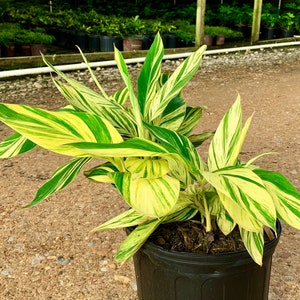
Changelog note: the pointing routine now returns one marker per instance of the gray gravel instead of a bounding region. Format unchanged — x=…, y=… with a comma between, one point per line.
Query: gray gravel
x=18, y=88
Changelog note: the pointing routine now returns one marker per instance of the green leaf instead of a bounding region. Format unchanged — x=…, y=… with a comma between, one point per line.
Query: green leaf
x=228, y=139
x=133, y=99
x=54, y=130
x=135, y=147
x=84, y=99
x=225, y=222
x=254, y=243
x=14, y=145
x=180, y=145
x=285, y=196
x=191, y=119
x=136, y=239
x=150, y=74
x=173, y=115
x=198, y=139
x=153, y=197
x=174, y=84
x=247, y=191
x=101, y=173
x=64, y=175
x=129, y=218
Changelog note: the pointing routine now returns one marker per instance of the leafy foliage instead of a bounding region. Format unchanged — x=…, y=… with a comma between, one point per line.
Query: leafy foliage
x=144, y=137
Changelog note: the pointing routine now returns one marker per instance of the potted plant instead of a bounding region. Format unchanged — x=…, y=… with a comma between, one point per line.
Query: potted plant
x=132, y=31
x=150, y=156
x=7, y=38
x=286, y=23
x=269, y=22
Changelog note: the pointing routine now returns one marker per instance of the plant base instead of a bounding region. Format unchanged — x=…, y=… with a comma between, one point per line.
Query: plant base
x=170, y=275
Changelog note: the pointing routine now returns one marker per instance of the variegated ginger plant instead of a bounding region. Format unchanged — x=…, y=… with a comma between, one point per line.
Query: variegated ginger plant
x=151, y=158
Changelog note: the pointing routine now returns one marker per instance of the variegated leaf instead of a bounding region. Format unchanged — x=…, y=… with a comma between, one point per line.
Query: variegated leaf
x=136, y=239
x=64, y=175
x=191, y=119
x=173, y=115
x=129, y=218
x=153, y=197
x=178, y=144
x=225, y=222
x=53, y=130
x=239, y=215
x=198, y=139
x=14, y=145
x=149, y=75
x=254, y=243
x=175, y=83
x=147, y=167
x=101, y=173
x=135, y=147
x=247, y=190
x=228, y=139
x=133, y=99
x=90, y=102
x=285, y=196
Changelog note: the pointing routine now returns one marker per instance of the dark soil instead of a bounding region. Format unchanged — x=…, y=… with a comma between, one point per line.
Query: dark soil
x=191, y=236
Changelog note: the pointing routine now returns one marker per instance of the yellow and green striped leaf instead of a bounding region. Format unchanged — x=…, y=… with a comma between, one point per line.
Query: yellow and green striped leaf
x=254, y=243
x=64, y=175
x=150, y=75
x=14, y=145
x=135, y=240
x=245, y=189
x=285, y=196
x=153, y=197
x=129, y=218
x=228, y=139
x=54, y=130
x=102, y=173
x=175, y=83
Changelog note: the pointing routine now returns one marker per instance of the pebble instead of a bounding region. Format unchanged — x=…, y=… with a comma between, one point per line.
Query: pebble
x=37, y=259
x=7, y=272
x=123, y=279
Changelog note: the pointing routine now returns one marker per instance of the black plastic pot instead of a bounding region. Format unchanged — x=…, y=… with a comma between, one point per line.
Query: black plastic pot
x=107, y=43
x=170, y=275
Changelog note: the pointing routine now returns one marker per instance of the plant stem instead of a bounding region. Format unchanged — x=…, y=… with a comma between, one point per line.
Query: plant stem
x=207, y=215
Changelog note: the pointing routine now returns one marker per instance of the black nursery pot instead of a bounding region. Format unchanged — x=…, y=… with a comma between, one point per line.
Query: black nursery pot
x=171, y=275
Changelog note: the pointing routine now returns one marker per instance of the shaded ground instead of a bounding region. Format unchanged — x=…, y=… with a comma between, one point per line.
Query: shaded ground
x=48, y=252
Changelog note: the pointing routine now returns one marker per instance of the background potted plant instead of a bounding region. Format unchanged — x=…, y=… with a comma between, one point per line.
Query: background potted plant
x=150, y=156
x=269, y=21
x=286, y=23
x=7, y=38
x=133, y=32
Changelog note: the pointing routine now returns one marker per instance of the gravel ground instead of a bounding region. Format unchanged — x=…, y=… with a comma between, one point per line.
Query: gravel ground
x=48, y=252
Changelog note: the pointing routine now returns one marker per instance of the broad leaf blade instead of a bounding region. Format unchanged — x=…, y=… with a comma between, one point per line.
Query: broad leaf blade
x=133, y=99
x=247, y=190
x=178, y=144
x=286, y=198
x=101, y=173
x=129, y=218
x=64, y=175
x=175, y=83
x=150, y=74
x=254, y=243
x=228, y=139
x=136, y=239
x=153, y=197
x=14, y=145
x=191, y=119
x=53, y=130
x=135, y=147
